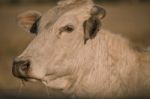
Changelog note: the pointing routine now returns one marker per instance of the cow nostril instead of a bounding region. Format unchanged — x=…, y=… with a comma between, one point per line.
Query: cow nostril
x=24, y=67
x=20, y=68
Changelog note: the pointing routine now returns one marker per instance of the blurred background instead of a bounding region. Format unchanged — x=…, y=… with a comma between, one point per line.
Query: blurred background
x=130, y=18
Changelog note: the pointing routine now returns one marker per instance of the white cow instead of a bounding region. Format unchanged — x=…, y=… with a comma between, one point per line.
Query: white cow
x=71, y=53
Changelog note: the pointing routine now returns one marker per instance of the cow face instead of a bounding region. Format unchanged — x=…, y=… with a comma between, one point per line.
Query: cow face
x=54, y=57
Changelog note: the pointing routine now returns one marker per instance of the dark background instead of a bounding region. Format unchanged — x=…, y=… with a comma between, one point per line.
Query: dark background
x=50, y=1
x=130, y=18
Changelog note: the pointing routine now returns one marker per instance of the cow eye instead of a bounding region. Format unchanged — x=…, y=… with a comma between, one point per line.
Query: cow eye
x=67, y=28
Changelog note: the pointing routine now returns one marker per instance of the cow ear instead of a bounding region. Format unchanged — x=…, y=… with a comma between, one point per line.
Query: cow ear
x=93, y=24
x=29, y=21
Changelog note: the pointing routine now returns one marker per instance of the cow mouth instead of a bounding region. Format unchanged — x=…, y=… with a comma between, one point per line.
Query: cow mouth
x=35, y=79
x=30, y=79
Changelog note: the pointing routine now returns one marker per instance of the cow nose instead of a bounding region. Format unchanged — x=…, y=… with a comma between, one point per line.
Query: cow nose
x=20, y=68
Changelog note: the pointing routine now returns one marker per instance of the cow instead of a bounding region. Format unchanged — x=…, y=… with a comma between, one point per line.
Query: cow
x=73, y=54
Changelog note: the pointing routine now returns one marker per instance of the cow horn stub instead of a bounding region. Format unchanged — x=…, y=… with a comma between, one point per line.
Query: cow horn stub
x=98, y=11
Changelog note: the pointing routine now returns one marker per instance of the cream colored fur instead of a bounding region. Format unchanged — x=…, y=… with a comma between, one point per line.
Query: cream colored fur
x=106, y=66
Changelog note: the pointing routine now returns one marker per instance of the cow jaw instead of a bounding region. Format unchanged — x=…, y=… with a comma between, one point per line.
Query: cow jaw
x=59, y=83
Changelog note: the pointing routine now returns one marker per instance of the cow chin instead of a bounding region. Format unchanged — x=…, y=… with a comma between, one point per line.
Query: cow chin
x=58, y=83
x=32, y=80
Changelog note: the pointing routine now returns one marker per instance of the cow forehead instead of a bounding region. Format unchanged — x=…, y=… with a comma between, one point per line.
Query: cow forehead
x=56, y=14
x=74, y=16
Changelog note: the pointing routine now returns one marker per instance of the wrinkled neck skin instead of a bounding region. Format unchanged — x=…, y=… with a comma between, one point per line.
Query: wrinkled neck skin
x=107, y=66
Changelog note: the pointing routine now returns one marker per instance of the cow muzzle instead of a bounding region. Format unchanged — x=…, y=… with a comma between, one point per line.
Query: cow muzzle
x=21, y=68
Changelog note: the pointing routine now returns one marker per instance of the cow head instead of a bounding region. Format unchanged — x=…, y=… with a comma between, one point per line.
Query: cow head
x=58, y=54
